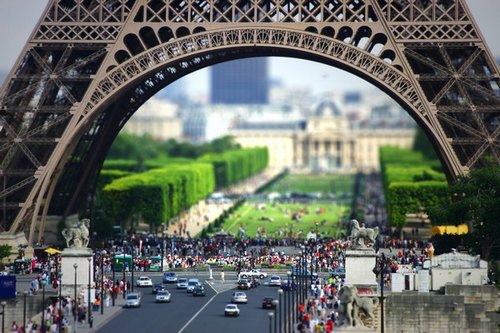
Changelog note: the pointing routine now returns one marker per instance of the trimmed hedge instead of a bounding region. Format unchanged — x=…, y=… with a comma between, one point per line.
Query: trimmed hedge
x=236, y=165
x=411, y=183
x=159, y=194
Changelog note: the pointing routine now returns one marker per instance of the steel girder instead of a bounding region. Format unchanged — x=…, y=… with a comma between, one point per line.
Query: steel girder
x=90, y=64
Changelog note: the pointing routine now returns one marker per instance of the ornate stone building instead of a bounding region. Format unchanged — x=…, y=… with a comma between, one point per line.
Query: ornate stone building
x=327, y=140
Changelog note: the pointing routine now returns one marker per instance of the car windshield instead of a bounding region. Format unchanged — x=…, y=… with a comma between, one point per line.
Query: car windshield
x=182, y=280
x=132, y=297
x=192, y=283
x=231, y=306
x=163, y=293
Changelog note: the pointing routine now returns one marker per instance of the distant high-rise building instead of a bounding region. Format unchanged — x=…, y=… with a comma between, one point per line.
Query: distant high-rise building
x=243, y=81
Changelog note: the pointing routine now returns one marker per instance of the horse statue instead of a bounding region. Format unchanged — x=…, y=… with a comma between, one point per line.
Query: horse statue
x=361, y=234
x=77, y=234
x=352, y=306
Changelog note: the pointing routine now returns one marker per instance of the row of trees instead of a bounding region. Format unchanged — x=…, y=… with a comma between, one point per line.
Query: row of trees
x=412, y=183
x=159, y=194
x=168, y=186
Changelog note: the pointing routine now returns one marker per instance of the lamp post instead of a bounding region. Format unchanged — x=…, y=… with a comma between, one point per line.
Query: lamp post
x=290, y=299
x=88, y=293
x=270, y=315
x=280, y=310
x=103, y=253
x=132, y=282
x=60, y=298
x=24, y=308
x=276, y=304
x=123, y=270
x=379, y=270
x=43, y=306
x=75, y=266
x=114, y=279
x=3, y=303
x=316, y=248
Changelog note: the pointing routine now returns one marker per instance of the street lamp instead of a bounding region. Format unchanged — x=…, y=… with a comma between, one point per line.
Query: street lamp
x=43, y=306
x=276, y=305
x=270, y=315
x=3, y=303
x=281, y=310
x=290, y=300
x=316, y=248
x=123, y=270
x=24, y=308
x=379, y=270
x=114, y=278
x=75, y=266
x=103, y=253
x=88, y=293
x=59, y=274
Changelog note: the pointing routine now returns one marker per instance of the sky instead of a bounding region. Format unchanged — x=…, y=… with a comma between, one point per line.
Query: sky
x=19, y=17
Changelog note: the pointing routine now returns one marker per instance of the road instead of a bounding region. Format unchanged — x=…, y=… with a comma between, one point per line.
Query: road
x=188, y=314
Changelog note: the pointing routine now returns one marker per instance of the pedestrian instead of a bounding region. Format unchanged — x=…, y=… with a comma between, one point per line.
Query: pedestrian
x=222, y=275
x=91, y=321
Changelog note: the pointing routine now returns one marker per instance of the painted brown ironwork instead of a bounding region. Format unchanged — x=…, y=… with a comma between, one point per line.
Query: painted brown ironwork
x=90, y=64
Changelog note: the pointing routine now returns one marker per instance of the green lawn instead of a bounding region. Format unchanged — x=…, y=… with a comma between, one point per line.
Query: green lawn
x=252, y=216
x=311, y=183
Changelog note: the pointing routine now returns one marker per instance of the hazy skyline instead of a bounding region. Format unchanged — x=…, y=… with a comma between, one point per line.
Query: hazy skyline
x=19, y=17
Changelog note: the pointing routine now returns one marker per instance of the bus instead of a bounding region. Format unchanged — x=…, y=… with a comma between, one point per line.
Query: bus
x=120, y=260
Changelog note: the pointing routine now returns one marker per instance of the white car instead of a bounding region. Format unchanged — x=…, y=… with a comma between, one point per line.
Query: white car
x=253, y=273
x=163, y=296
x=191, y=284
x=239, y=297
x=144, y=281
x=231, y=310
x=182, y=283
x=132, y=301
x=275, y=280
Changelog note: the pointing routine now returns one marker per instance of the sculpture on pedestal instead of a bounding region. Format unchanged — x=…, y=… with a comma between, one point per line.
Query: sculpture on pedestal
x=361, y=235
x=354, y=307
x=77, y=234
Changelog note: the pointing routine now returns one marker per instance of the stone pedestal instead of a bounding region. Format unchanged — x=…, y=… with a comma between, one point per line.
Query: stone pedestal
x=359, y=266
x=16, y=241
x=79, y=256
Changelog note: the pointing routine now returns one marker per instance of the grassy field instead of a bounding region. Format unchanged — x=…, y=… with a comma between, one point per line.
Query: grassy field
x=310, y=184
x=276, y=220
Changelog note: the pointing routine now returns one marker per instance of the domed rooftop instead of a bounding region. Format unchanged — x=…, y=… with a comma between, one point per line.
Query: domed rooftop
x=327, y=108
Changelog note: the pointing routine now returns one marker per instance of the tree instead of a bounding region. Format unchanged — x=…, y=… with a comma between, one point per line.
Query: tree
x=5, y=251
x=475, y=200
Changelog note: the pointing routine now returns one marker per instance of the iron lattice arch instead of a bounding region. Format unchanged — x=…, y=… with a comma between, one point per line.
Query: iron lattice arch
x=90, y=64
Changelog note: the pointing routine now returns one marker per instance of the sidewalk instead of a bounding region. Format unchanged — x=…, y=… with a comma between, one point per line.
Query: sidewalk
x=101, y=320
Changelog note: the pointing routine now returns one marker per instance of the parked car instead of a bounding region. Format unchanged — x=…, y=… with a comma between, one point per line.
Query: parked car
x=182, y=283
x=239, y=297
x=158, y=286
x=301, y=271
x=267, y=303
x=199, y=290
x=169, y=277
x=275, y=280
x=163, y=296
x=231, y=310
x=253, y=273
x=244, y=284
x=132, y=301
x=191, y=284
x=144, y=281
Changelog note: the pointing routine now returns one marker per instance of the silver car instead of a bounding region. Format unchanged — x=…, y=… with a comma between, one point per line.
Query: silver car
x=239, y=297
x=191, y=284
x=182, y=283
x=163, y=296
x=132, y=301
x=231, y=310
